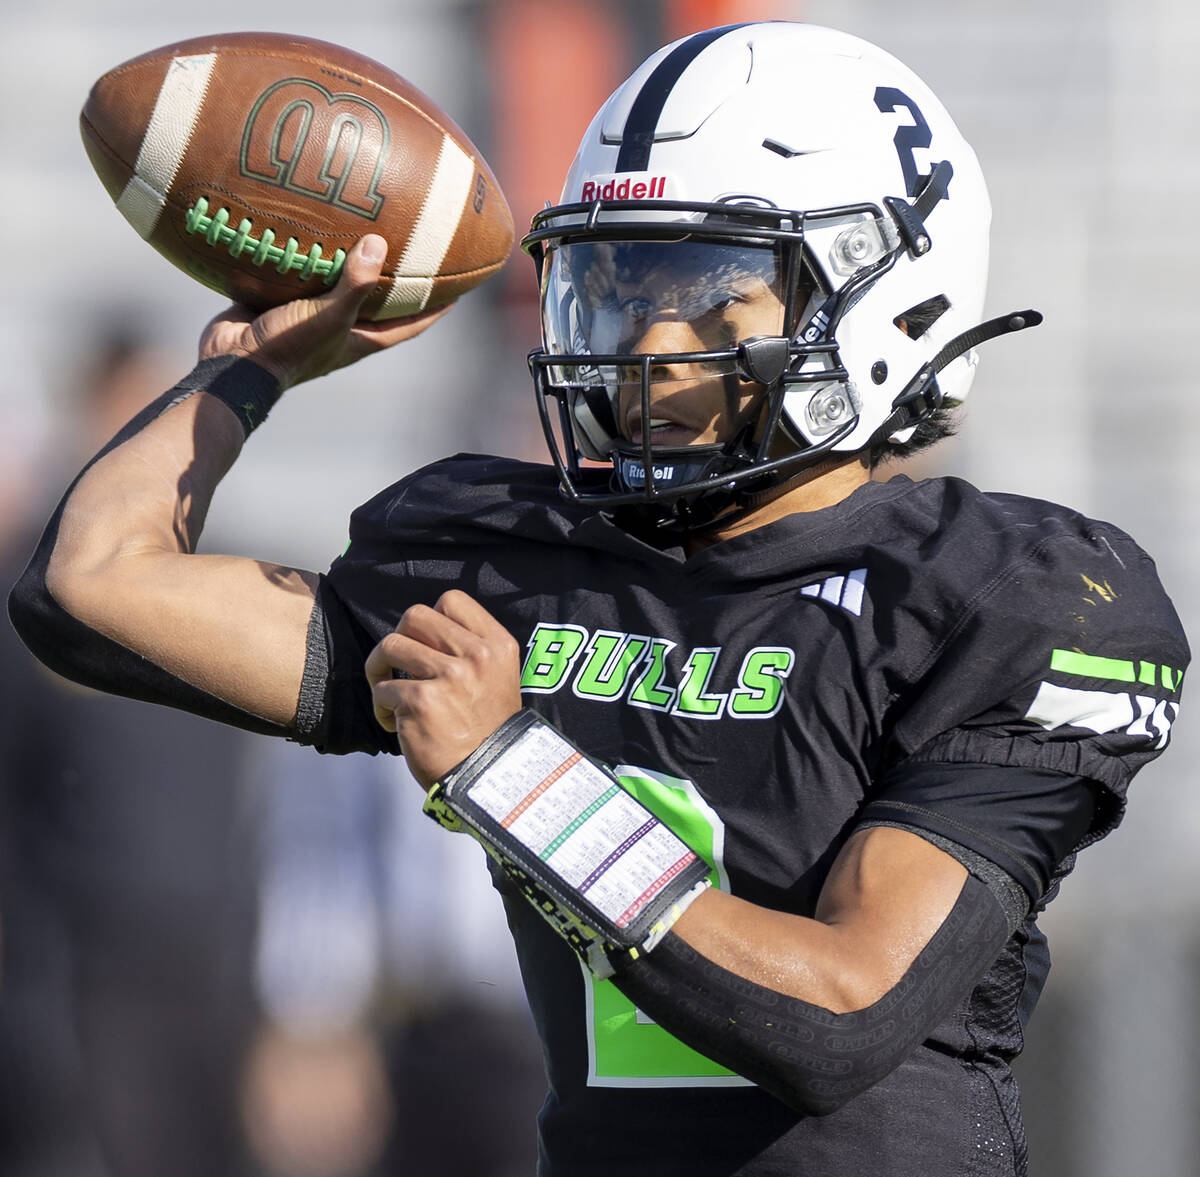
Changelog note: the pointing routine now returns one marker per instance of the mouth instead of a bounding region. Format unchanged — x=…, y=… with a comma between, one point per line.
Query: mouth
x=664, y=431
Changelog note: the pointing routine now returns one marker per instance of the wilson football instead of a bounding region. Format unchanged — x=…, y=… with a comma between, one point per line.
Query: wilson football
x=254, y=161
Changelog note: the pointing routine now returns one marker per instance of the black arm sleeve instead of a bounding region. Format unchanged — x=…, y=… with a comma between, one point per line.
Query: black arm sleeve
x=78, y=652
x=808, y=1057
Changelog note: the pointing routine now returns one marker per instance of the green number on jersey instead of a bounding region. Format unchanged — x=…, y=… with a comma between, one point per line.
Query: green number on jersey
x=625, y=1048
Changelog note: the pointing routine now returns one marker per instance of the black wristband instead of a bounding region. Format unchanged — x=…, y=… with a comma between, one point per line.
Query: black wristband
x=248, y=389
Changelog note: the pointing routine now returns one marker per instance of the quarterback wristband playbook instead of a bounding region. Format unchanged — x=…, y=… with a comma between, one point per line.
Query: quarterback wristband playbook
x=608, y=875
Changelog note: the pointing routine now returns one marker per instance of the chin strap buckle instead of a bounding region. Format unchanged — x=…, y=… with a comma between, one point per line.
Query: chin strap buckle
x=922, y=396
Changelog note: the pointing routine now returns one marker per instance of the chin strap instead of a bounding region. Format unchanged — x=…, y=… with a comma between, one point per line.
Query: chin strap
x=719, y=507
x=680, y=516
x=922, y=396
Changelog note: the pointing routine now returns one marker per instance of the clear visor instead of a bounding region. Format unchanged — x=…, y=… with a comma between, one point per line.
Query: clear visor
x=611, y=300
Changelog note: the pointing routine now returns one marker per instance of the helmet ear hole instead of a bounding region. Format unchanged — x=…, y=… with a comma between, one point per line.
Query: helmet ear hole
x=915, y=321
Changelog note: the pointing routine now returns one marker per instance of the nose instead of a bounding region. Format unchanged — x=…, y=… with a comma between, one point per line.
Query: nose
x=666, y=334
x=663, y=334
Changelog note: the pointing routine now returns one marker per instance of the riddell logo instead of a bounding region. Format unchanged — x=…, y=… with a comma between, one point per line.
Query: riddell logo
x=630, y=188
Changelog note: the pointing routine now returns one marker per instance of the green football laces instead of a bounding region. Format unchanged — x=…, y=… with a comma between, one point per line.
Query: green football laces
x=216, y=231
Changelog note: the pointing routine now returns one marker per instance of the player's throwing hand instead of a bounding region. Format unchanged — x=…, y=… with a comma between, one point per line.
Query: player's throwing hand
x=310, y=337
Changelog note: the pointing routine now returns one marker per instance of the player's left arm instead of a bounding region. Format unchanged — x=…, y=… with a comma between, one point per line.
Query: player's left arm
x=1008, y=772
x=886, y=897
x=901, y=931
x=818, y=1010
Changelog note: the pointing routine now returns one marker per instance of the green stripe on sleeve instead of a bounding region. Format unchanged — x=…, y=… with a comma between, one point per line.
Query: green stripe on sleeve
x=1090, y=666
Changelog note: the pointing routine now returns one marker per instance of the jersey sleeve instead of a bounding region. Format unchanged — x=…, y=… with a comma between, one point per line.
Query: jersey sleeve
x=335, y=713
x=358, y=600
x=429, y=532
x=1056, y=683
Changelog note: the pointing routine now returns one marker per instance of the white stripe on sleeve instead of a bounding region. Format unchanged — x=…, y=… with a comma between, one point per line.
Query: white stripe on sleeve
x=1101, y=711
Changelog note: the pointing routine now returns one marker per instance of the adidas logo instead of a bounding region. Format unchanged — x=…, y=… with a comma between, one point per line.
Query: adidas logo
x=846, y=592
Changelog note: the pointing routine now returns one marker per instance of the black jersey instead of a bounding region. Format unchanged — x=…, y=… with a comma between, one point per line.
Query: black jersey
x=988, y=670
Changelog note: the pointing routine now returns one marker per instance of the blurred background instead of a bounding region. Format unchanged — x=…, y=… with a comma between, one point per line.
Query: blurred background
x=224, y=955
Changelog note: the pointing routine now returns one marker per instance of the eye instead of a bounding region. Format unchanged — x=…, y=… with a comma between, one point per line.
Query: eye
x=602, y=303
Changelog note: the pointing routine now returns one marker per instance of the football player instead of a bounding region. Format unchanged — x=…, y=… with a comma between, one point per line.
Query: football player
x=775, y=760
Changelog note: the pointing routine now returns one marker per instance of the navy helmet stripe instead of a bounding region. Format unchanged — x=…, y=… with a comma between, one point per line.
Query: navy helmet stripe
x=638, y=136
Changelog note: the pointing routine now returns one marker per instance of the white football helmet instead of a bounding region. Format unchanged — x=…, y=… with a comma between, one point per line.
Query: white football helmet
x=770, y=157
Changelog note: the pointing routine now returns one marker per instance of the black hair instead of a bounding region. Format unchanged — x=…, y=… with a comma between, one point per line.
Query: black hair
x=940, y=424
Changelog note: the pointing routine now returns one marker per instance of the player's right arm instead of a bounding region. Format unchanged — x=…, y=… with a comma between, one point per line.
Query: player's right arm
x=116, y=595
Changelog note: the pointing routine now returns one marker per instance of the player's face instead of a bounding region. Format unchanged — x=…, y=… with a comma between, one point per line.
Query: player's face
x=665, y=300
x=667, y=313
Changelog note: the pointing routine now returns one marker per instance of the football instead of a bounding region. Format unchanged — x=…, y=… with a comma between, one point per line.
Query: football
x=254, y=161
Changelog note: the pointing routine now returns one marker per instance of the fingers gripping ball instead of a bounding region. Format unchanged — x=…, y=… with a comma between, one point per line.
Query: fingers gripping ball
x=254, y=161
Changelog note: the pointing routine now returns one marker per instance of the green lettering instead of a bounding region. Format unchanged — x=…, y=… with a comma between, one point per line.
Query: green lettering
x=552, y=650
x=611, y=658
x=759, y=693
x=694, y=698
x=649, y=690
